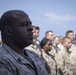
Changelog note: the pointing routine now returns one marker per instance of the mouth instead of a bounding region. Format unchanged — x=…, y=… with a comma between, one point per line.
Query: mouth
x=31, y=36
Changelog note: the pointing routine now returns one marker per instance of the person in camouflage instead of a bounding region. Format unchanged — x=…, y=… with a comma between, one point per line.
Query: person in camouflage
x=63, y=58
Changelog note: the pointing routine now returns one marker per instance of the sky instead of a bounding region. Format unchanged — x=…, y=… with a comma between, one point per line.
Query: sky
x=56, y=15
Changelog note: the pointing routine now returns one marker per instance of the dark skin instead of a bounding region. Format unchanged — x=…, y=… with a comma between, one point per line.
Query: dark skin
x=47, y=47
x=18, y=35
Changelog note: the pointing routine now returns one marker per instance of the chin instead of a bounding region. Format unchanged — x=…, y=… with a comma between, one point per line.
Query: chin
x=30, y=42
x=49, y=50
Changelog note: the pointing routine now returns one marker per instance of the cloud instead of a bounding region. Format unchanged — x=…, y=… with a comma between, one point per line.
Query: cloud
x=55, y=17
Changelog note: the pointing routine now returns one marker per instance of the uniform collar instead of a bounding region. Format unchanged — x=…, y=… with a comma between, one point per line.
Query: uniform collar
x=20, y=59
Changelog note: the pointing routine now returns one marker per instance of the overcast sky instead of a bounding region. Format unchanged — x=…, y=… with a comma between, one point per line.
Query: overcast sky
x=56, y=15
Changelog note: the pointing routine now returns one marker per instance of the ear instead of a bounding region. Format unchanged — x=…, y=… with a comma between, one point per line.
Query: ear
x=43, y=47
x=8, y=30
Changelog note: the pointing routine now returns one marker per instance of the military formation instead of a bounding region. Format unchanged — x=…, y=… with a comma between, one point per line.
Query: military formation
x=21, y=53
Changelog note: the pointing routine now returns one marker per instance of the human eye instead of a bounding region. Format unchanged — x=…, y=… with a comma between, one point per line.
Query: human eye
x=49, y=44
x=26, y=24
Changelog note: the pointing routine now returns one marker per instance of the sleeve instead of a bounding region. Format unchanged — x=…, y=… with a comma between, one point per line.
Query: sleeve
x=73, y=57
x=4, y=70
x=6, y=67
x=73, y=62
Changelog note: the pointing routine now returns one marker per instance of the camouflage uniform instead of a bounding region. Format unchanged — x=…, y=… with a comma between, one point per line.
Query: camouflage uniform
x=50, y=63
x=54, y=50
x=35, y=48
x=63, y=63
x=60, y=46
x=73, y=47
x=12, y=63
x=73, y=61
x=37, y=41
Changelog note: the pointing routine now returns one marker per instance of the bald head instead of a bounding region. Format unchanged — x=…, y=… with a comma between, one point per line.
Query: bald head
x=67, y=42
x=15, y=25
x=11, y=17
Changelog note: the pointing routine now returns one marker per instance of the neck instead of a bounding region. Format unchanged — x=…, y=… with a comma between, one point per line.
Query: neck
x=66, y=49
x=15, y=47
x=34, y=40
x=45, y=51
x=72, y=42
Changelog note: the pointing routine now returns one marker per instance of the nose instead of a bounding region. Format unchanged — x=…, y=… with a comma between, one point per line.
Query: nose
x=30, y=28
x=33, y=30
x=70, y=43
x=50, y=47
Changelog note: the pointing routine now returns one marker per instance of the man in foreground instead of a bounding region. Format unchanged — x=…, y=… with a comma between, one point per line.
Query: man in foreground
x=16, y=31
